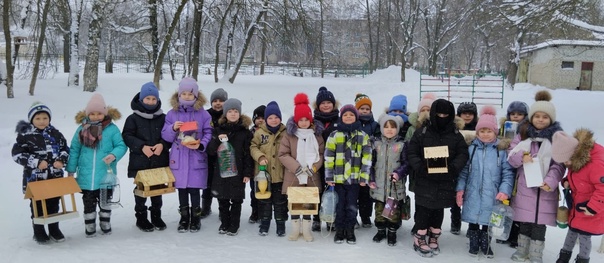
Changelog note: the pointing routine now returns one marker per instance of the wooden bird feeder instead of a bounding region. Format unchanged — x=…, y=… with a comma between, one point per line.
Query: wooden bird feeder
x=153, y=182
x=436, y=159
x=46, y=189
x=303, y=200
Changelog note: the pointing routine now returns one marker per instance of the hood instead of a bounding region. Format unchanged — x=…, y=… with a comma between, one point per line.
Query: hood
x=246, y=121
x=201, y=100
x=23, y=126
x=582, y=154
x=291, y=127
x=113, y=114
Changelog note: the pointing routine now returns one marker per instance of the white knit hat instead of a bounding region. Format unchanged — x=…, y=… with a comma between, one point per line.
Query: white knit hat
x=543, y=104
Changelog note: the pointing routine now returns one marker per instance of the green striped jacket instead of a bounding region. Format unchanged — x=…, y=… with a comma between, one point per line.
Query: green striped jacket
x=347, y=157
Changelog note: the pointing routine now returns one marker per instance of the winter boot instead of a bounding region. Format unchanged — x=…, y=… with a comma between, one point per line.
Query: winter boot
x=391, y=236
x=195, y=224
x=55, y=233
x=380, y=235
x=474, y=242
x=225, y=221
x=316, y=226
x=40, y=235
x=340, y=235
x=295, y=232
x=254, y=216
x=522, y=251
x=156, y=220
x=105, y=221
x=433, y=240
x=280, y=228
x=366, y=222
x=536, y=251
x=185, y=217
x=420, y=245
x=350, y=237
x=206, y=207
x=265, y=224
x=564, y=256
x=306, y=233
x=485, y=243
x=143, y=223
x=90, y=224
x=581, y=260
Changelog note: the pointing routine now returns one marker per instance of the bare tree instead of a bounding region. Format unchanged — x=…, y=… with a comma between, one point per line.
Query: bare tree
x=91, y=69
x=74, y=36
x=409, y=16
x=166, y=43
x=10, y=69
x=197, y=25
x=43, y=24
x=223, y=18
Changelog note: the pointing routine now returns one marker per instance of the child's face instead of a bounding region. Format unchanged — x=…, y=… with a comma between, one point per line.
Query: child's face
x=364, y=110
x=187, y=95
x=326, y=106
x=389, y=130
x=150, y=100
x=96, y=116
x=41, y=120
x=516, y=116
x=399, y=112
x=467, y=117
x=541, y=120
x=259, y=121
x=217, y=104
x=486, y=135
x=273, y=120
x=348, y=117
x=425, y=109
x=304, y=123
x=232, y=115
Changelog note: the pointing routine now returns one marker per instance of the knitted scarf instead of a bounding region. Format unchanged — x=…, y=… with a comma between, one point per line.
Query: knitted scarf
x=308, y=148
x=92, y=132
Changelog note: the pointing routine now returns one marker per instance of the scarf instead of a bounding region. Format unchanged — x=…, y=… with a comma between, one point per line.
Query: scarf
x=326, y=117
x=186, y=103
x=273, y=130
x=544, y=153
x=348, y=127
x=92, y=132
x=366, y=118
x=308, y=148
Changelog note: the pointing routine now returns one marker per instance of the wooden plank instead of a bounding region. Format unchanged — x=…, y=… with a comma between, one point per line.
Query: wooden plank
x=45, y=189
x=304, y=195
x=156, y=192
x=55, y=218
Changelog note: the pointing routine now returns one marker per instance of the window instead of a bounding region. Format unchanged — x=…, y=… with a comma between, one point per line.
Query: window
x=356, y=55
x=568, y=65
x=356, y=44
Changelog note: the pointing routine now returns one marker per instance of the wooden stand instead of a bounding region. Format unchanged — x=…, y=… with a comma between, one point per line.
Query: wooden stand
x=436, y=159
x=153, y=182
x=46, y=189
x=303, y=200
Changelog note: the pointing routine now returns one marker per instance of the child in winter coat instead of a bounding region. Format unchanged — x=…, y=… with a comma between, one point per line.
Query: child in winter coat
x=347, y=165
x=229, y=188
x=188, y=157
x=486, y=177
x=423, y=112
x=96, y=147
x=398, y=107
x=42, y=151
x=142, y=134
x=264, y=150
x=388, y=176
x=257, y=121
x=535, y=207
x=584, y=159
x=363, y=105
x=301, y=153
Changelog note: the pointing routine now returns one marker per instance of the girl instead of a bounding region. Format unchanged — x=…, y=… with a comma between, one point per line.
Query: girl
x=363, y=105
x=398, y=107
x=96, y=146
x=264, y=150
x=188, y=158
x=230, y=191
x=347, y=165
x=389, y=166
x=535, y=207
x=301, y=153
x=42, y=151
x=416, y=119
x=486, y=177
x=142, y=134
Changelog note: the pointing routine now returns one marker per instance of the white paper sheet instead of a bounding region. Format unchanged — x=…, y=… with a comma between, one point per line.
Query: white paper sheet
x=533, y=174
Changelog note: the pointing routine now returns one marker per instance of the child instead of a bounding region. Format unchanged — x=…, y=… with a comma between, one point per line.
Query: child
x=42, y=151
x=217, y=99
x=469, y=113
x=257, y=121
x=363, y=105
x=347, y=165
x=142, y=134
x=264, y=150
x=398, y=107
x=535, y=207
x=584, y=159
x=230, y=191
x=301, y=153
x=258, y=118
x=188, y=159
x=435, y=191
x=97, y=145
x=486, y=177
x=416, y=119
x=389, y=166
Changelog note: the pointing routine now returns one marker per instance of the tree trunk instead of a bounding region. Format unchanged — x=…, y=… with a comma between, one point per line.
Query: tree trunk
x=91, y=69
x=166, y=43
x=34, y=77
x=74, y=55
x=109, y=54
x=65, y=12
x=23, y=21
x=7, y=38
x=264, y=44
x=229, y=49
x=369, y=33
x=219, y=38
x=321, y=41
x=197, y=18
x=154, y=32
x=248, y=39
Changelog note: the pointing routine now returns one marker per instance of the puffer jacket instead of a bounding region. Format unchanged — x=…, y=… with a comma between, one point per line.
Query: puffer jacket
x=266, y=144
x=389, y=155
x=347, y=157
x=87, y=162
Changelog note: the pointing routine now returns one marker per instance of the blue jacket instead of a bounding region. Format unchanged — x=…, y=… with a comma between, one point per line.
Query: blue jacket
x=486, y=174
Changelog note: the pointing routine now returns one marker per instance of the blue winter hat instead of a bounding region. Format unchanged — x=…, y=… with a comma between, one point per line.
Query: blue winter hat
x=517, y=106
x=325, y=95
x=398, y=102
x=148, y=89
x=272, y=108
x=36, y=108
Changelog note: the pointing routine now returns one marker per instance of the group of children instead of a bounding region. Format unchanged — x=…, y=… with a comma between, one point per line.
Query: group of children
x=365, y=161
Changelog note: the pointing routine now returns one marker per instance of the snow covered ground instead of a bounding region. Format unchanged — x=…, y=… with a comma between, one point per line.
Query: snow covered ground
x=128, y=244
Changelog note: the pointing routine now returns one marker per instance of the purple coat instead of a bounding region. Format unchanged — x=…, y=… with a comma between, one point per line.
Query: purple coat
x=533, y=205
x=190, y=167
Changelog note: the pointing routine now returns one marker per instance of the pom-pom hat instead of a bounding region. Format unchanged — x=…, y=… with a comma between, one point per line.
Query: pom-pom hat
x=301, y=108
x=325, y=95
x=488, y=119
x=362, y=99
x=543, y=104
x=426, y=101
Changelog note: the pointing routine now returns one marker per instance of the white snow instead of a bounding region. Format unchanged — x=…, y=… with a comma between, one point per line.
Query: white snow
x=128, y=244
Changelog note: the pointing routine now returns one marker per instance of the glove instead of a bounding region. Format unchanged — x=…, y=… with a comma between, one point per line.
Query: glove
x=459, y=198
x=303, y=173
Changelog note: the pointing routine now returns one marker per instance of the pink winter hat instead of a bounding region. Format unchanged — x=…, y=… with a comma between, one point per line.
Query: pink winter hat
x=188, y=84
x=96, y=104
x=487, y=119
x=563, y=146
x=426, y=101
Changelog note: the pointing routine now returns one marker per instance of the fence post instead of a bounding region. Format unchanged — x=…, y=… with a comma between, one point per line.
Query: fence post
x=473, y=87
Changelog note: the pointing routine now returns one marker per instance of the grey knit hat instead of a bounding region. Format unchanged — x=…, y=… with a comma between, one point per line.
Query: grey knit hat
x=231, y=103
x=219, y=94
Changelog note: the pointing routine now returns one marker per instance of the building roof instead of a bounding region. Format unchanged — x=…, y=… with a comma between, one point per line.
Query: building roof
x=562, y=42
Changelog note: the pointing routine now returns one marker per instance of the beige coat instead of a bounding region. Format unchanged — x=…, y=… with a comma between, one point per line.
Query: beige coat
x=266, y=144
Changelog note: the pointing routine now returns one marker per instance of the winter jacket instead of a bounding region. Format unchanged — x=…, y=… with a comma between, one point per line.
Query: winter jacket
x=88, y=162
x=266, y=144
x=190, y=167
x=347, y=157
x=143, y=128
x=288, y=151
x=389, y=155
x=486, y=174
x=533, y=205
x=240, y=138
x=211, y=158
x=402, y=132
x=370, y=126
x=327, y=122
x=586, y=180
x=33, y=146
x=437, y=191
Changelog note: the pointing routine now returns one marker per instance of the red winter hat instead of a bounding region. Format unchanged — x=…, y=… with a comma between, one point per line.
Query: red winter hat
x=487, y=119
x=301, y=108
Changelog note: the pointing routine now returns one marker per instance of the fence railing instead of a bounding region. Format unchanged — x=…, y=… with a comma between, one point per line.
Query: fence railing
x=482, y=89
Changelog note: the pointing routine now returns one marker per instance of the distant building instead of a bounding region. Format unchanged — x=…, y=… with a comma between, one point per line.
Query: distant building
x=568, y=64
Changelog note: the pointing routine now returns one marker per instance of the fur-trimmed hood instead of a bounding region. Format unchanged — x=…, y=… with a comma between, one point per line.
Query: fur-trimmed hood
x=291, y=127
x=246, y=121
x=23, y=126
x=201, y=100
x=582, y=154
x=113, y=114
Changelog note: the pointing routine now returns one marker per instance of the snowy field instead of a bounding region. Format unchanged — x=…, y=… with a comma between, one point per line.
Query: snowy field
x=128, y=244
